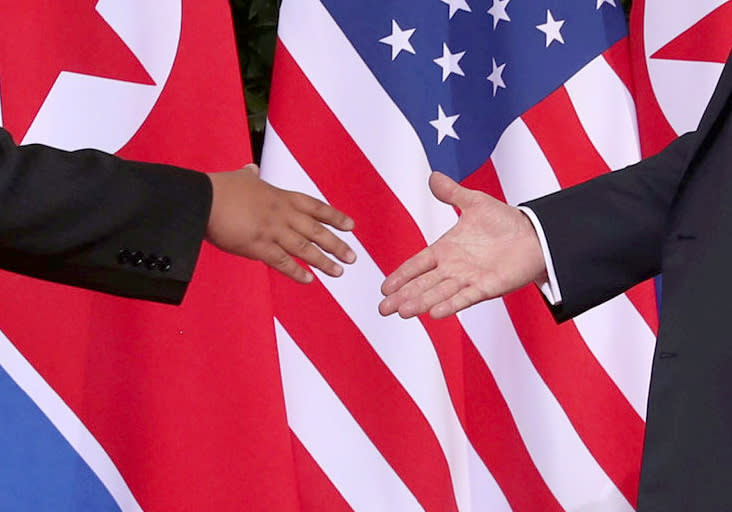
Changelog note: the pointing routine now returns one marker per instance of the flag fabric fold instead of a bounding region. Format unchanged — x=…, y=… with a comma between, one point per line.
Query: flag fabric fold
x=678, y=52
x=497, y=408
x=114, y=404
x=110, y=404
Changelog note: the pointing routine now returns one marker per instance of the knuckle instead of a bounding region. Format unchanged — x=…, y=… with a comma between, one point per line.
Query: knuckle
x=274, y=206
x=321, y=209
x=318, y=231
x=301, y=245
x=258, y=234
x=298, y=199
x=281, y=260
x=341, y=248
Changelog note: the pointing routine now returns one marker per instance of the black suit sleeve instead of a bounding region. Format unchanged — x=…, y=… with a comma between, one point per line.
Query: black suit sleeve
x=607, y=234
x=89, y=219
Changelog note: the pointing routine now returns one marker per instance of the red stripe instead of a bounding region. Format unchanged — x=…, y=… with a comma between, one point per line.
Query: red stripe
x=655, y=130
x=388, y=232
x=367, y=388
x=643, y=297
x=606, y=422
x=555, y=124
x=317, y=493
x=618, y=57
x=486, y=418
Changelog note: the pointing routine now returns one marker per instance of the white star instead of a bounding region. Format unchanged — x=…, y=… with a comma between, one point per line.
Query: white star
x=552, y=28
x=498, y=11
x=399, y=40
x=457, y=5
x=496, y=77
x=600, y=3
x=449, y=62
x=444, y=125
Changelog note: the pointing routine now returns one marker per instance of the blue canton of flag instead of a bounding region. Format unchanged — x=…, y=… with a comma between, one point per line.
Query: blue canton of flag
x=461, y=73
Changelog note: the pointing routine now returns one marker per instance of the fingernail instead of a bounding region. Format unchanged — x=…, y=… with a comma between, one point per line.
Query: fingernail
x=350, y=256
x=309, y=277
x=338, y=271
x=349, y=224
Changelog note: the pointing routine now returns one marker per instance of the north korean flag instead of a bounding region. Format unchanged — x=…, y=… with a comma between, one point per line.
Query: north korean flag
x=679, y=49
x=111, y=404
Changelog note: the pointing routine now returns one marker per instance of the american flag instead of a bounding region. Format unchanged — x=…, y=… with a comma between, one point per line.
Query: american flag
x=497, y=408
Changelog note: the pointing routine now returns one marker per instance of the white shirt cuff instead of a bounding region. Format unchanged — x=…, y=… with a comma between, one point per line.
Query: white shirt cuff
x=549, y=287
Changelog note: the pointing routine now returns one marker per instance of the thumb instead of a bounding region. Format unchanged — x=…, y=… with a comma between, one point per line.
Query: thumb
x=449, y=191
x=253, y=168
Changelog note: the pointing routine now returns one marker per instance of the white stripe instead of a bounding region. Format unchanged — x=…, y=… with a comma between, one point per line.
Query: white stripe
x=404, y=346
x=623, y=343
x=67, y=423
x=570, y=471
x=521, y=165
x=365, y=110
x=607, y=113
x=524, y=173
x=683, y=90
x=334, y=439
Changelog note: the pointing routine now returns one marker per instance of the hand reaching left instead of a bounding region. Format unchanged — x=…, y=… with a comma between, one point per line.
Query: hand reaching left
x=492, y=250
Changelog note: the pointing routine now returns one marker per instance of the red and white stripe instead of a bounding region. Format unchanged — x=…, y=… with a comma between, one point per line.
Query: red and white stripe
x=497, y=408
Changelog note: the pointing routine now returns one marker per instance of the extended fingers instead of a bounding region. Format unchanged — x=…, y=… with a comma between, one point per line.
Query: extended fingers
x=419, y=264
x=299, y=246
x=315, y=232
x=414, y=297
x=280, y=260
x=445, y=298
x=322, y=212
x=462, y=299
x=431, y=296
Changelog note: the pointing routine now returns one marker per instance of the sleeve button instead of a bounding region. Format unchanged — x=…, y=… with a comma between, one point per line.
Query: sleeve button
x=152, y=262
x=124, y=256
x=164, y=264
x=138, y=257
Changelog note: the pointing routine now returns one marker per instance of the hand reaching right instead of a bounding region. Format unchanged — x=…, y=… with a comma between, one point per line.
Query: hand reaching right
x=251, y=218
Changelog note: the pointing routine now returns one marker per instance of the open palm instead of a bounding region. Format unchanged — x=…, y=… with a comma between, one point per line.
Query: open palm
x=492, y=250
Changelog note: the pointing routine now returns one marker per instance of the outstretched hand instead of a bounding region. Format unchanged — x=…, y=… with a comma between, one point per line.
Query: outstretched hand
x=251, y=218
x=492, y=250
